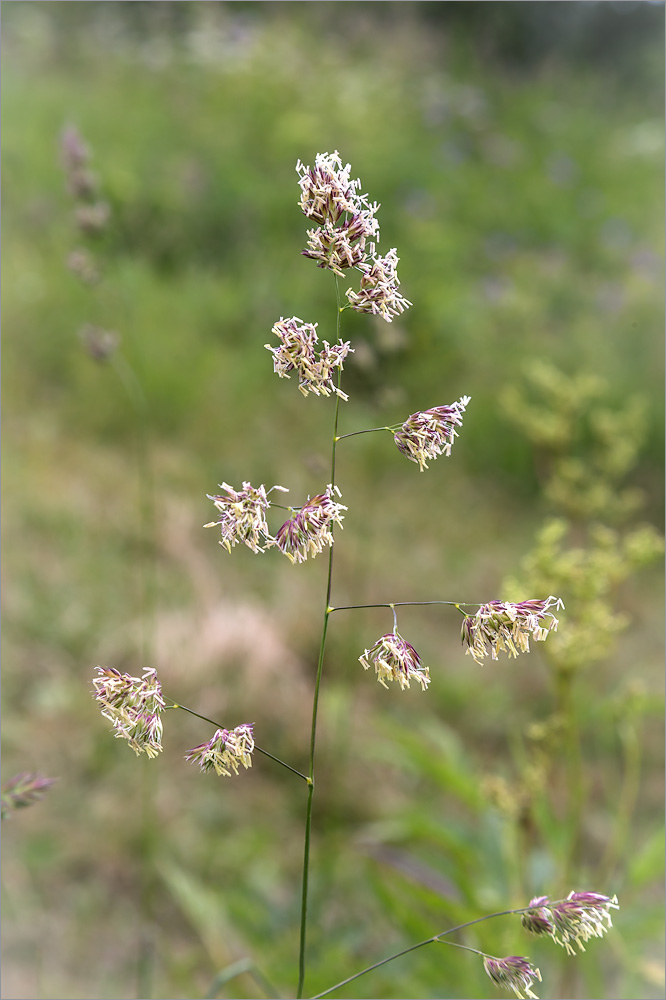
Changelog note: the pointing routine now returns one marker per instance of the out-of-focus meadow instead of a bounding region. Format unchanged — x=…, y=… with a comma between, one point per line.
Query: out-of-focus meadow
x=517, y=152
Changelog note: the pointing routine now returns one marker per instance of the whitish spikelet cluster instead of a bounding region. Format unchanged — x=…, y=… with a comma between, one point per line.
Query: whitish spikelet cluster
x=134, y=705
x=309, y=529
x=501, y=627
x=225, y=751
x=394, y=659
x=429, y=433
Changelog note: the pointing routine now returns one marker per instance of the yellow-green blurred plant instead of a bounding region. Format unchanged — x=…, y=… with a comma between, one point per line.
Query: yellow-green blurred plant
x=587, y=547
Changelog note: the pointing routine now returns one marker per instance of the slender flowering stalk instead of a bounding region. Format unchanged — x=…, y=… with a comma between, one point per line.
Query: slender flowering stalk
x=501, y=627
x=225, y=751
x=243, y=516
x=297, y=353
x=513, y=973
x=379, y=293
x=134, y=705
x=430, y=433
x=22, y=790
x=579, y=917
x=394, y=659
x=309, y=530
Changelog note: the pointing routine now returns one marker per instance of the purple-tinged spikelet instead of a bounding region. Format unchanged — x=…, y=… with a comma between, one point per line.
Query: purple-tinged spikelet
x=513, y=973
x=429, y=433
x=571, y=921
x=394, y=659
x=225, y=751
x=23, y=790
x=297, y=353
x=501, y=627
x=309, y=529
x=134, y=706
x=379, y=293
x=242, y=516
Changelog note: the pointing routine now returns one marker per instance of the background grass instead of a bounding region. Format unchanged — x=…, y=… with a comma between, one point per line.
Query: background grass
x=517, y=151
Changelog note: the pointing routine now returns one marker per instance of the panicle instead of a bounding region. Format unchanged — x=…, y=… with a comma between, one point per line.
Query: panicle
x=23, y=790
x=430, y=433
x=499, y=626
x=309, y=529
x=225, y=751
x=297, y=353
x=327, y=191
x=242, y=516
x=513, y=973
x=82, y=263
x=394, y=659
x=134, y=705
x=338, y=248
x=379, y=293
x=571, y=921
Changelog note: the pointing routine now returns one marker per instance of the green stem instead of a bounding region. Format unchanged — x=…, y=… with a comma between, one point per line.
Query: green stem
x=315, y=700
x=421, y=944
x=369, y=430
x=218, y=725
x=408, y=604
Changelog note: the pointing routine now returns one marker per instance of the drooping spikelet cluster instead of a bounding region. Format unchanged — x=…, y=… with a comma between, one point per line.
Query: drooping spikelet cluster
x=309, y=529
x=513, y=973
x=429, y=433
x=571, y=921
x=225, y=751
x=394, y=659
x=134, y=705
x=297, y=353
x=501, y=627
x=242, y=516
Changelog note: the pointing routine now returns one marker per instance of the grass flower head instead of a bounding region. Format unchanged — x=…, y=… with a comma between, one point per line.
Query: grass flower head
x=394, y=659
x=379, y=293
x=225, y=751
x=297, y=353
x=571, y=921
x=309, y=529
x=499, y=626
x=243, y=516
x=513, y=973
x=430, y=433
x=134, y=705
x=327, y=191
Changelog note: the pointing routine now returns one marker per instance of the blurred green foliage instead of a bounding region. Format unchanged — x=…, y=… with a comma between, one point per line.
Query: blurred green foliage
x=517, y=151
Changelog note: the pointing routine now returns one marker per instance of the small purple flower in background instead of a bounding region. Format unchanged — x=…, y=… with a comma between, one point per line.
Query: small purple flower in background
x=97, y=342
x=92, y=219
x=242, y=516
x=23, y=790
x=513, y=973
x=394, y=659
x=134, y=706
x=430, y=433
x=327, y=192
x=82, y=263
x=379, y=293
x=225, y=751
x=579, y=917
x=75, y=156
x=297, y=353
x=499, y=626
x=308, y=530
